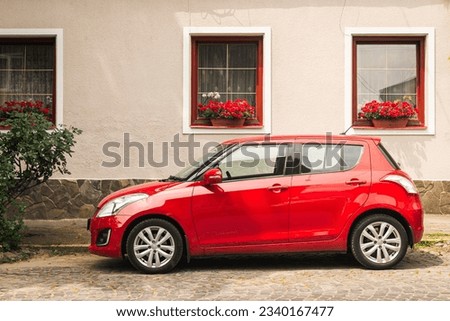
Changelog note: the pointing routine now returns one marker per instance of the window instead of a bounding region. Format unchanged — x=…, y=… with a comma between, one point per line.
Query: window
x=325, y=158
x=31, y=68
x=235, y=62
x=390, y=64
x=389, y=69
x=318, y=158
x=250, y=161
x=27, y=70
x=230, y=66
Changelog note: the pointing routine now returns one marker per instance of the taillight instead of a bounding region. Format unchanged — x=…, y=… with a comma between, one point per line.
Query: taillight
x=409, y=186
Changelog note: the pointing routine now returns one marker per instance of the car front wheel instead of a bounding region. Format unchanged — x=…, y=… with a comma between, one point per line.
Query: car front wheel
x=379, y=242
x=154, y=246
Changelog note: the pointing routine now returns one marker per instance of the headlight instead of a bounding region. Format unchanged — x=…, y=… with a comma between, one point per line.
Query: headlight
x=115, y=205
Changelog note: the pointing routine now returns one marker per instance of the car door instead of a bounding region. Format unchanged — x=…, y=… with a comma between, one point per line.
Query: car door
x=331, y=182
x=251, y=204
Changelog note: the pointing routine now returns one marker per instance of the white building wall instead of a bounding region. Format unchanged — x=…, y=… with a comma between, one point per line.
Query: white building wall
x=123, y=71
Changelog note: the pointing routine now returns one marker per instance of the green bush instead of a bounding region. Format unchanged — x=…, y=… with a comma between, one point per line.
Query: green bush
x=11, y=232
x=30, y=152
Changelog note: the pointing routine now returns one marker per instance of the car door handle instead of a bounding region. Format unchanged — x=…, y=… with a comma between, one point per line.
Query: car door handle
x=355, y=181
x=277, y=188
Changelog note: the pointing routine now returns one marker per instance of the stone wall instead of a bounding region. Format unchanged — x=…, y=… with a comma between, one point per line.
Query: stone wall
x=435, y=196
x=57, y=199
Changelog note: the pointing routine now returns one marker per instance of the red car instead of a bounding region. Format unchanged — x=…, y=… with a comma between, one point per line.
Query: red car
x=267, y=195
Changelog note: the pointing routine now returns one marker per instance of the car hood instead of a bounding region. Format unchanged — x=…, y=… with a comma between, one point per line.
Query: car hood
x=147, y=188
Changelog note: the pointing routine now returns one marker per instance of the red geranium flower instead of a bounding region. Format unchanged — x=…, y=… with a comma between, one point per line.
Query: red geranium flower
x=387, y=110
x=231, y=109
x=24, y=106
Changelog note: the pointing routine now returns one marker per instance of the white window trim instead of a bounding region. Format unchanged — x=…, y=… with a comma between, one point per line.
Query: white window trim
x=58, y=34
x=188, y=32
x=429, y=99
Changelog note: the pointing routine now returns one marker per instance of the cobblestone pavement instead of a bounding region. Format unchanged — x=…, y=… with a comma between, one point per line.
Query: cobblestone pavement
x=423, y=275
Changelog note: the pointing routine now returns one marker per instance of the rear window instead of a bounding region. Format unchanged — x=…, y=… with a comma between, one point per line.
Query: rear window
x=388, y=156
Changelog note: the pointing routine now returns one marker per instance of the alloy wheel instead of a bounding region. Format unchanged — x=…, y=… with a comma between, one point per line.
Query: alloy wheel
x=380, y=242
x=154, y=247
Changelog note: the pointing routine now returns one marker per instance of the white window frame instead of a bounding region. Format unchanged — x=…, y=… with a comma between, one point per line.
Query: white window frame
x=58, y=34
x=429, y=99
x=265, y=32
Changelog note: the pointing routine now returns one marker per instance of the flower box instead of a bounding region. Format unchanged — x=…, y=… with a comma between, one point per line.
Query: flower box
x=388, y=114
x=231, y=113
x=390, y=123
x=224, y=122
x=24, y=106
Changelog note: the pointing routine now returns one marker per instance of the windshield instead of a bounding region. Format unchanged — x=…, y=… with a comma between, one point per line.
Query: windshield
x=190, y=171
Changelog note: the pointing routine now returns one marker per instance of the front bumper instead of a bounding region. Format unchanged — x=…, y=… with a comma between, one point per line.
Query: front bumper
x=106, y=235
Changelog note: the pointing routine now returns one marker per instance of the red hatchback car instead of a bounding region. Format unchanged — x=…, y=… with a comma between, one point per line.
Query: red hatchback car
x=267, y=195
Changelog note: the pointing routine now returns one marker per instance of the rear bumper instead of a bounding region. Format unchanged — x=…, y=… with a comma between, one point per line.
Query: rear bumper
x=415, y=217
x=417, y=232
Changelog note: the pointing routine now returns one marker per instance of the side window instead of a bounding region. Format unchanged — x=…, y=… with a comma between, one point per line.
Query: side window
x=325, y=158
x=250, y=161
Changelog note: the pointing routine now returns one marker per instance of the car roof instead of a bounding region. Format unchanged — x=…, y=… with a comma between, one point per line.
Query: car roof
x=292, y=138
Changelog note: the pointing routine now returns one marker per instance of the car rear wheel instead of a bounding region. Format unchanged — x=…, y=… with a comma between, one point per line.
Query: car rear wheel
x=379, y=242
x=154, y=246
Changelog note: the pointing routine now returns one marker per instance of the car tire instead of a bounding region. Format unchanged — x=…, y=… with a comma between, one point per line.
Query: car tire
x=154, y=246
x=379, y=242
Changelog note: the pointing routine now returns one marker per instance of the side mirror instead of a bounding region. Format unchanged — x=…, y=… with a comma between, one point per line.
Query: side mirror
x=212, y=176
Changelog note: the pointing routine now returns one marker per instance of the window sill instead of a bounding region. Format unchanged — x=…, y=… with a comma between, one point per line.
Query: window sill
x=380, y=128
x=208, y=129
x=4, y=129
x=228, y=127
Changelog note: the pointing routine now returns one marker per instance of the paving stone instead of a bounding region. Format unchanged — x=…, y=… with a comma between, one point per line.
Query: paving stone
x=424, y=276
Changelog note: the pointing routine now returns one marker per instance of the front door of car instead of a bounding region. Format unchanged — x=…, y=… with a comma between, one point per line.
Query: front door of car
x=251, y=204
x=331, y=181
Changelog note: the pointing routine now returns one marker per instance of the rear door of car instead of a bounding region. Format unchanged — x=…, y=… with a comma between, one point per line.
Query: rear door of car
x=331, y=181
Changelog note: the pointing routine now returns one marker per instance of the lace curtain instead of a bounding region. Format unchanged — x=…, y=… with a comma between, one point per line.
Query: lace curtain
x=228, y=68
x=386, y=72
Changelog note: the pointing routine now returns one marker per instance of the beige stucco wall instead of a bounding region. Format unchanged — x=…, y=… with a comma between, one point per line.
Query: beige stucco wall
x=123, y=69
